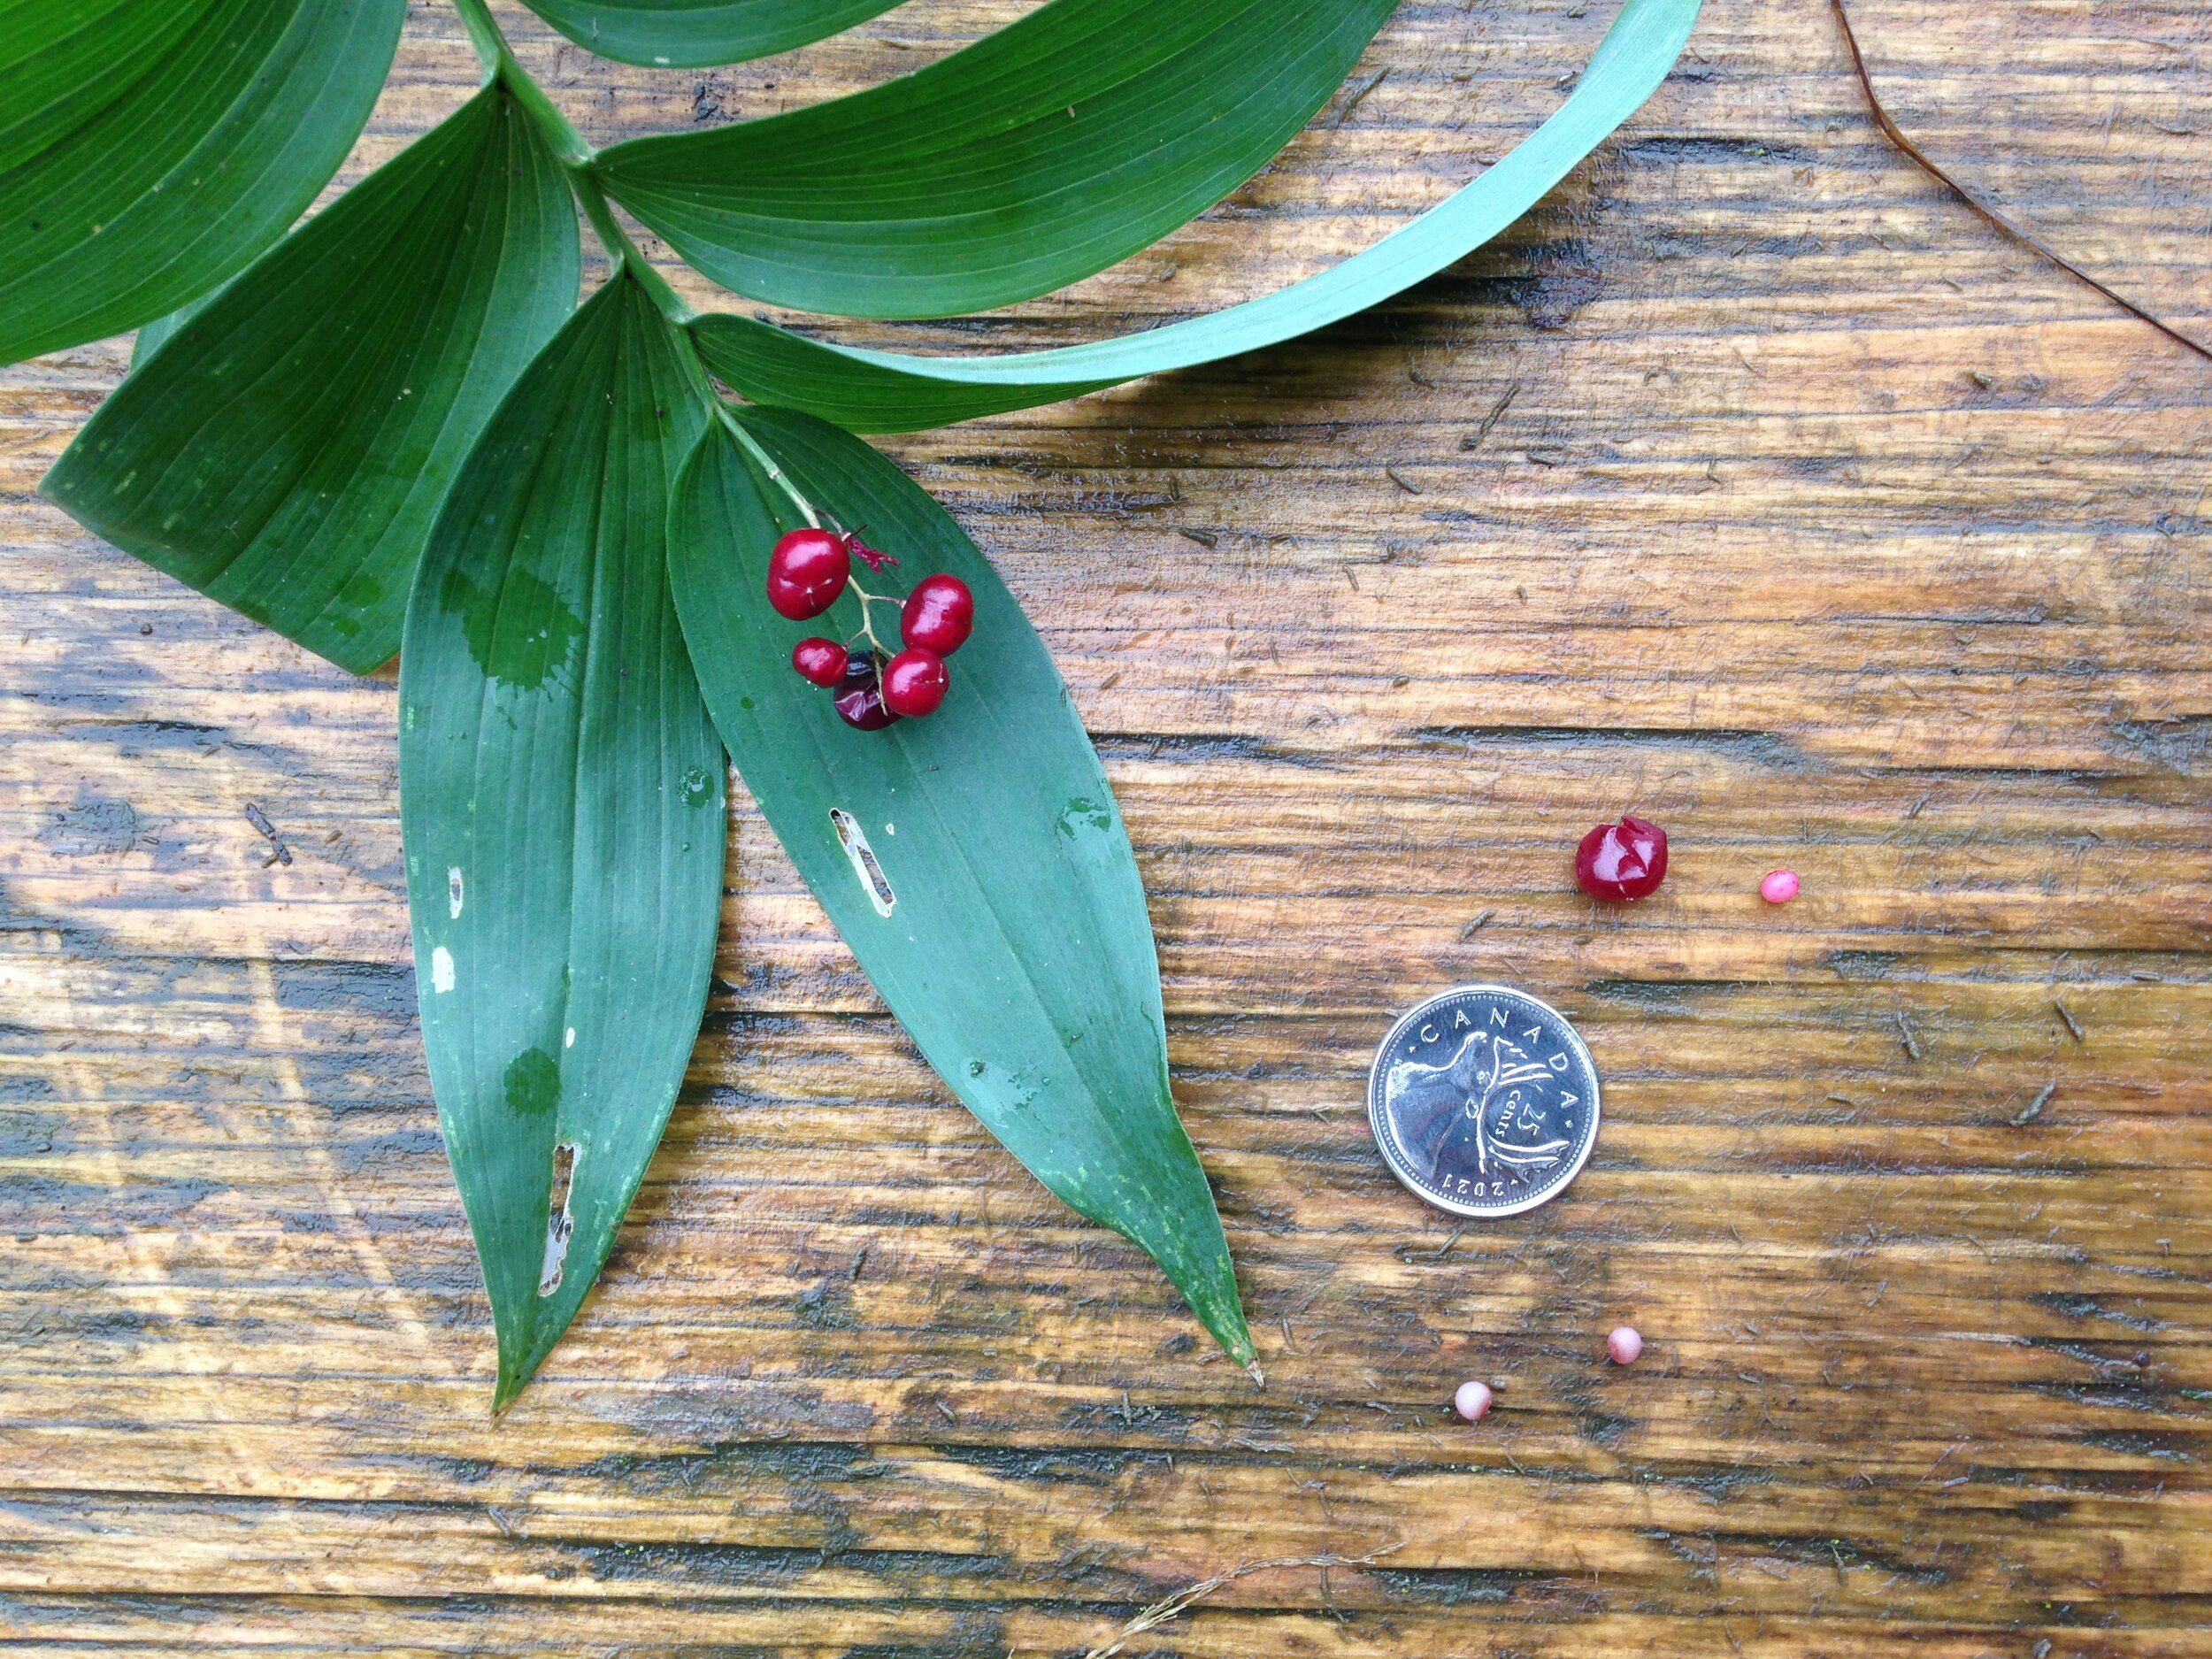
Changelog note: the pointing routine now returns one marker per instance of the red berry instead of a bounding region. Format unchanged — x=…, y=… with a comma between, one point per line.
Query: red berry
x=791, y=600
x=1622, y=862
x=914, y=681
x=820, y=662
x=806, y=573
x=939, y=615
x=859, y=697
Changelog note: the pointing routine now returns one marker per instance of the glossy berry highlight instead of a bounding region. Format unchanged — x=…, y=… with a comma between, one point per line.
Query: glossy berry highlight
x=806, y=572
x=914, y=682
x=939, y=615
x=820, y=662
x=858, y=694
x=1624, y=862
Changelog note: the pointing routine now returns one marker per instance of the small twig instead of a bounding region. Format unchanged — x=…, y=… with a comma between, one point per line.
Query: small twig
x=1173, y=1608
x=1473, y=440
x=2026, y=239
x=1911, y=1038
x=1444, y=1250
x=259, y=819
x=2034, y=1107
x=1477, y=926
x=2072, y=1024
x=1359, y=93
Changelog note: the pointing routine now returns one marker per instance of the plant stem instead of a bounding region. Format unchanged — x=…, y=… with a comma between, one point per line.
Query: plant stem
x=483, y=35
x=746, y=441
x=867, y=620
x=499, y=63
x=576, y=157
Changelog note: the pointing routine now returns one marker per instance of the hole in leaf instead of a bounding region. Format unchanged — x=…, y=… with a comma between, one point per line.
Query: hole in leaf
x=559, y=1225
x=855, y=842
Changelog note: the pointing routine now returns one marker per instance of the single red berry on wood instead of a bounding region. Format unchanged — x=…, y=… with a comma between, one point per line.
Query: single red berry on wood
x=806, y=573
x=858, y=694
x=914, y=681
x=939, y=615
x=820, y=662
x=1623, y=861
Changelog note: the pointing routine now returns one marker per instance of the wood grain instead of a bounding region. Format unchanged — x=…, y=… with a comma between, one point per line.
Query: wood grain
x=1751, y=483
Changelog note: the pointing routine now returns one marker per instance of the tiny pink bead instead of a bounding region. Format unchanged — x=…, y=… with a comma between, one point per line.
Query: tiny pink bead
x=1779, y=887
x=1624, y=1345
x=1472, y=1402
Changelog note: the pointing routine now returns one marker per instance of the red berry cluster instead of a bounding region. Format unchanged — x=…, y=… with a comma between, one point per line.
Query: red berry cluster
x=807, y=572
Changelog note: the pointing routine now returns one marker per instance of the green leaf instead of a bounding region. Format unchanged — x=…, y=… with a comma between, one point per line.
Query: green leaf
x=286, y=451
x=689, y=32
x=1013, y=943
x=1079, y=134
x=152, y=336
x=561, y=797
x=151, y=148
x=890, y=391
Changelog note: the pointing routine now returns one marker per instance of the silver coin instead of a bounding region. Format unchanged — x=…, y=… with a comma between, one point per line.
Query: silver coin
x=1483, y=1101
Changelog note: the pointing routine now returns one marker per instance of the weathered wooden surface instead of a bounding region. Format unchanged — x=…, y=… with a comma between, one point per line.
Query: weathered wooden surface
x=1752, y=483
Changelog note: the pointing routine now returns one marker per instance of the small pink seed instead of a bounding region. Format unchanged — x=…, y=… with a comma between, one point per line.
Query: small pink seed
x=1623, y=1347
x=1779, y=887
x=1472, y=1402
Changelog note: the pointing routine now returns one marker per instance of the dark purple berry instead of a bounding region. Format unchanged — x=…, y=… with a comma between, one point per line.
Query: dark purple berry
x=858, y=694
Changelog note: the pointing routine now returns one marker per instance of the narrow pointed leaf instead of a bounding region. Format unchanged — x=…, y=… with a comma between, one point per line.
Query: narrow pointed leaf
x=1004, y=921
x=689, y=32
x=1075, y=136
x=152, y=336
x=889, y=391
x=561, y=796
x=287, y=451
x=151, y=148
